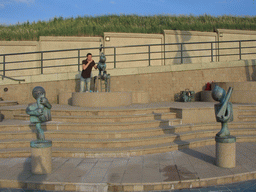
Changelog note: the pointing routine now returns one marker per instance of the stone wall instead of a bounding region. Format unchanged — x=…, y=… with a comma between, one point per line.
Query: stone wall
x=176, y=36
x=111, y=40
x=126, y=39
x=233, y=35
x=161, y=82
x=9, y=47
x=60, y=43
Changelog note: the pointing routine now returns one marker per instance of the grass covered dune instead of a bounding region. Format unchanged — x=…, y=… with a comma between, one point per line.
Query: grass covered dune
x=96, y=26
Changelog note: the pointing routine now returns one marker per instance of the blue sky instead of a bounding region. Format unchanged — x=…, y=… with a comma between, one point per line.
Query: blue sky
x=14, y=11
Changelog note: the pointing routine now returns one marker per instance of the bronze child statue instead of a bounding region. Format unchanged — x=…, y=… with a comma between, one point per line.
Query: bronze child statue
x=223, y=110
x=39, y=111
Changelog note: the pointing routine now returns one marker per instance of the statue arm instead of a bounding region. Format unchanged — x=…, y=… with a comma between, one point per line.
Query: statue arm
x=48, y=105
x=44, y=101
x=228, y=112
x=35, y=112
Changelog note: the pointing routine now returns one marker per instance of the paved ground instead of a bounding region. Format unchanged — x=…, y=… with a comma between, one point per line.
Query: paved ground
x=185, y=164
x=246, y=186
x=181, y=165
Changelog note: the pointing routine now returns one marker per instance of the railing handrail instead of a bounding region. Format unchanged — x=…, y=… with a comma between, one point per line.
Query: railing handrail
x=3, y=76
x=182, y=54
x=126, y=46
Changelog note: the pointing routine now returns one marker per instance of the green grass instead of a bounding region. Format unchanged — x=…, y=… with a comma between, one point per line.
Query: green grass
x=96, y=26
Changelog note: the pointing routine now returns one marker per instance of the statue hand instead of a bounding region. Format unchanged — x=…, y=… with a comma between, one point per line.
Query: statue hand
x=39, y=112
x=43, y=100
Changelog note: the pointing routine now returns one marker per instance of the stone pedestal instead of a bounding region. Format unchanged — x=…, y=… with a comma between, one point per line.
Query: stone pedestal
x=41, y=157
x=226, y=151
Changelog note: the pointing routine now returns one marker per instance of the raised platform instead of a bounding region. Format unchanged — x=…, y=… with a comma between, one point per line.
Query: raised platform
x=103, y=99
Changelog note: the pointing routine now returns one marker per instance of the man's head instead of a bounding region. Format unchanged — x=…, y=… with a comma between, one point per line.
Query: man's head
x=89, y=56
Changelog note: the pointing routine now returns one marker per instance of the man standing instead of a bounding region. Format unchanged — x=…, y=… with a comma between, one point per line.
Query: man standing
x=86, y=73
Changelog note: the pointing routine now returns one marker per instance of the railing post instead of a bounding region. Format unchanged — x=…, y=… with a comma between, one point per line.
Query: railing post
x=181, y=53
x=78, y=60
x=114, y=57
x=211, y=52
x=3, y=67
x=164, y=54
x=240, y=51
x=42, y=63
x=149, y=55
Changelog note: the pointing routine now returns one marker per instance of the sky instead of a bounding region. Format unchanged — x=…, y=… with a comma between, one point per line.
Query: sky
x=20, y=11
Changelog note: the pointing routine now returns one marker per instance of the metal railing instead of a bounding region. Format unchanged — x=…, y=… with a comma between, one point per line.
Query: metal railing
x=181, y=54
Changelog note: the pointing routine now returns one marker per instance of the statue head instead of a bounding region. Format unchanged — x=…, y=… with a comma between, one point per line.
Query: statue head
x=38, y=91
x=102, y=58
x=218, y=94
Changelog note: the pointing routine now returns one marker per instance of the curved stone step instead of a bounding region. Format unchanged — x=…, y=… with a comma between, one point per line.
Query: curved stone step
x=247, y=106
x=90, y=126
x=247, y=118
x=121, y=152
x=8, y=103
x=70, y=111
x=247, y=112
x=107, y=119
x=124, y=142
x=56, y=134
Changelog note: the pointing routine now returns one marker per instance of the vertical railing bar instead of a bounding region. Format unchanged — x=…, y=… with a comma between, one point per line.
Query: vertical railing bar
x=114, y=57
x=41, y=62
x=78, y=60
x=181, y=53
x=149, y=55
x=211, y=52
x=164, y=53
x=240, y=51
x=3, y=67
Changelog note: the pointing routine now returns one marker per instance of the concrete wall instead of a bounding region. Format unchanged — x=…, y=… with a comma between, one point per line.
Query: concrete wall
x=60, y=43
x=124, y=39
x=175, y=36
x=160, y=82
x=19, y=47
x=233, y=35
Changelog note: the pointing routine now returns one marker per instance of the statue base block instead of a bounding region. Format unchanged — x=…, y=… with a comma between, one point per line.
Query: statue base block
x=41, y=157
x=226, y=151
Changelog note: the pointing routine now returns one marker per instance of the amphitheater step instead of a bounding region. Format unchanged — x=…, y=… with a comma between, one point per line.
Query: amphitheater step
x=107, y=119
x=92, y=126
x=57, y=134
x=121, y=152
x=8, y=103
x=247, y=112
x=247, y=107
x=249, y=118
x=124, y=142
x=69, y=111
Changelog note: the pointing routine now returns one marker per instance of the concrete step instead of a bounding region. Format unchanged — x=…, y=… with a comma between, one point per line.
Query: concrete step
x=57, y=134
x=247, y=118
x=124, y=142
x=247, y=112
x=121, y=152
x=107, y=119
x=90, y=126
x=247, y=107
x=16, y=126
x=29, y=133
x=106, y=112
x=8, y=103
